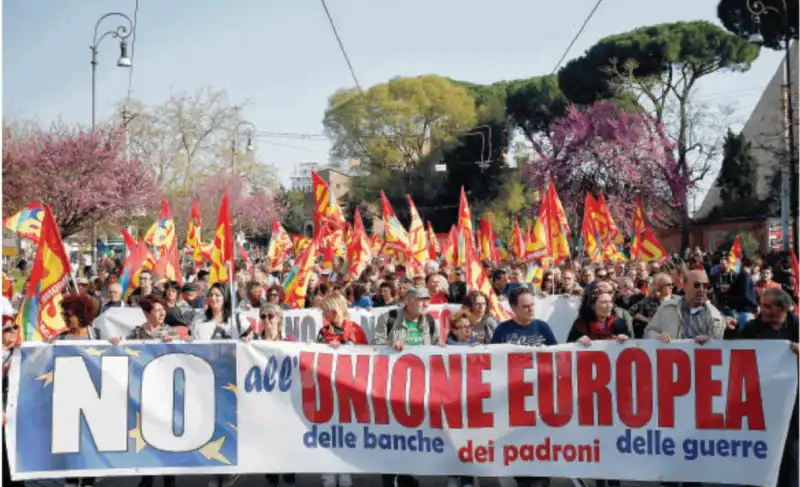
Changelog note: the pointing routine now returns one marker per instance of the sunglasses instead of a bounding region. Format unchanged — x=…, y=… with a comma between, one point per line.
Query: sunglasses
x=698, y=285
x=10, y=329
x=267, y=316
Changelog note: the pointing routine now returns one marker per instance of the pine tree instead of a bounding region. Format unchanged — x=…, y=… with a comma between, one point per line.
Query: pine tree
x=737, y=176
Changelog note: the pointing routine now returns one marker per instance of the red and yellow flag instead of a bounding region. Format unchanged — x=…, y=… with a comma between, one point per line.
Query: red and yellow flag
x=450, y=247
x=280, y=246
x=396, y=242
x=167, y=267
x=486, y=240
x=433, y=243
x=40, y=317
x=589, y=230
x=161, y=234
x=8, y=287
x=517, y=247
x=27, y=222
x=735, y=255
x=222, y=254
x=555, y=225
x=327, y=211
x=193, y=239
x=296, y=284
x=466, y=235
x=477, y=279
x=359, y=251
x=417, y=236
x=639, y=226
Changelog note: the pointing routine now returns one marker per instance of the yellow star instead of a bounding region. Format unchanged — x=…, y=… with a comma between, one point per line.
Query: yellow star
x=230, y=387
x=132, y=352
x=211, y=450
x=234, y=428
x=95, y=352
x=136, y=434
x=47, y=378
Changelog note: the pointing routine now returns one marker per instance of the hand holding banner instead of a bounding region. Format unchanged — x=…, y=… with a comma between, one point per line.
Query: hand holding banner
x=679, y=412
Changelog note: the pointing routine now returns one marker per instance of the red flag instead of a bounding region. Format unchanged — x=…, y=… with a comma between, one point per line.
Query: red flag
x=222, y=254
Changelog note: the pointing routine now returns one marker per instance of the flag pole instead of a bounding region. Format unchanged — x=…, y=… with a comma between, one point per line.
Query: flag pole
x=232, y=287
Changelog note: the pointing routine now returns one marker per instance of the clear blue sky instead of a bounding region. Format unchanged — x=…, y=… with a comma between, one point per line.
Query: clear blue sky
x=281, y=56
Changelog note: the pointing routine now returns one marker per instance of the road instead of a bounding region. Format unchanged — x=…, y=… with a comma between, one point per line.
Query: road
x=309, y=481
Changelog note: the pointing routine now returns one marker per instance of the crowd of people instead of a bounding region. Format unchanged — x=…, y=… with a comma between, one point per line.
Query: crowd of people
x=699, y=297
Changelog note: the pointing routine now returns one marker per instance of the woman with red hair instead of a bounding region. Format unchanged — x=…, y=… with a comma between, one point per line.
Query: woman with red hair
x=78, y=312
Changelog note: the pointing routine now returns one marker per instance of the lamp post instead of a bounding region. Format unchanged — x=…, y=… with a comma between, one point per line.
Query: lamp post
x=757, y=10
x=251, y=130
x=122, y=32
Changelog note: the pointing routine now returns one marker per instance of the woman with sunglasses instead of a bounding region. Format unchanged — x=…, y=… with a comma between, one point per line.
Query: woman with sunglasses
x=275, y=295
x=10, y=344
x=270, y=328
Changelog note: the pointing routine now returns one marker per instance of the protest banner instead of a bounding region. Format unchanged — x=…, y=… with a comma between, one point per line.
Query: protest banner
x=303, y=324
x=681, y=412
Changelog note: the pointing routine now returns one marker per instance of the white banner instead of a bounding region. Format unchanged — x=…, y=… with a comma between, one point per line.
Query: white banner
x=303, y=324
x=644, y=410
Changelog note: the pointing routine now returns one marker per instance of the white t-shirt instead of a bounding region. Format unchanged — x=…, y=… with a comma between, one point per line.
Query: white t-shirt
x=210, y=330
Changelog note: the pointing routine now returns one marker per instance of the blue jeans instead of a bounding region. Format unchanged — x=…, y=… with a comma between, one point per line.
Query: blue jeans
x=743, y=317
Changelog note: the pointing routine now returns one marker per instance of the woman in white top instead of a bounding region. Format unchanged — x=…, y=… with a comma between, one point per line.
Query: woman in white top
x=217, y=323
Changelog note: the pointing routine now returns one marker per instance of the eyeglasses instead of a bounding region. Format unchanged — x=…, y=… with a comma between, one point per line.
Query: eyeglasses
x=272, y=295
x=10, y=329
x=698, y=285
x=268, y=316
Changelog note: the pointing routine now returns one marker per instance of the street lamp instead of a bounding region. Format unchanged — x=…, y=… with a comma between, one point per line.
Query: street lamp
x=122, y=32
x=251, y=129
x=757, y=9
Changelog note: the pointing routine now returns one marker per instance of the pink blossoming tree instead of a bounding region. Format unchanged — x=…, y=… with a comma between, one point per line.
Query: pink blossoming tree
x=85, y=177
x=253, y=208
x=626, y=155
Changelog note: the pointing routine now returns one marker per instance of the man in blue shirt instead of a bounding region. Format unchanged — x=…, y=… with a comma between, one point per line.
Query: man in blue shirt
x=524, y=328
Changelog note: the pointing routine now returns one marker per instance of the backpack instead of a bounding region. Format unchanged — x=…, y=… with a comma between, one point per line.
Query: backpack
x=393, y=317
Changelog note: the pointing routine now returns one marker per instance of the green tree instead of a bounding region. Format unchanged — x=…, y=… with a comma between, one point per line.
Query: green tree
x=395, y=125
x=515, y=200
x=534, y=103
x=661, y=66
x=775, y=24
x=293, y=202
x=737, y=175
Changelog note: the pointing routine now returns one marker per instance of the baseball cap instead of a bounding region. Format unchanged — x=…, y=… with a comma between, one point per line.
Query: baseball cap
x=418, y=292
x=189, y=287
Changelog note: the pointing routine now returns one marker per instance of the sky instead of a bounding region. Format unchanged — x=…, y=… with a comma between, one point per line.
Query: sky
x=281, y=59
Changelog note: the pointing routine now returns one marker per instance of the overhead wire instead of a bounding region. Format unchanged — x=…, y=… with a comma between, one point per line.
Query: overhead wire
x=577, y=35
x=341, y=46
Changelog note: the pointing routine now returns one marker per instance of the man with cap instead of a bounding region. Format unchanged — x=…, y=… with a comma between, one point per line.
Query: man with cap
x=409, y=325
x=190, y=297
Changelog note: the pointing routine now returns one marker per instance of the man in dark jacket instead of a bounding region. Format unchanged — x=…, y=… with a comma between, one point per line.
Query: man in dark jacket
x=742, y=299
x=775, y=322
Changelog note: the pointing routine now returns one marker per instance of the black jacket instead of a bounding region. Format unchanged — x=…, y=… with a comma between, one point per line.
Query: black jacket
x=757, y=330
x=742, y=295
